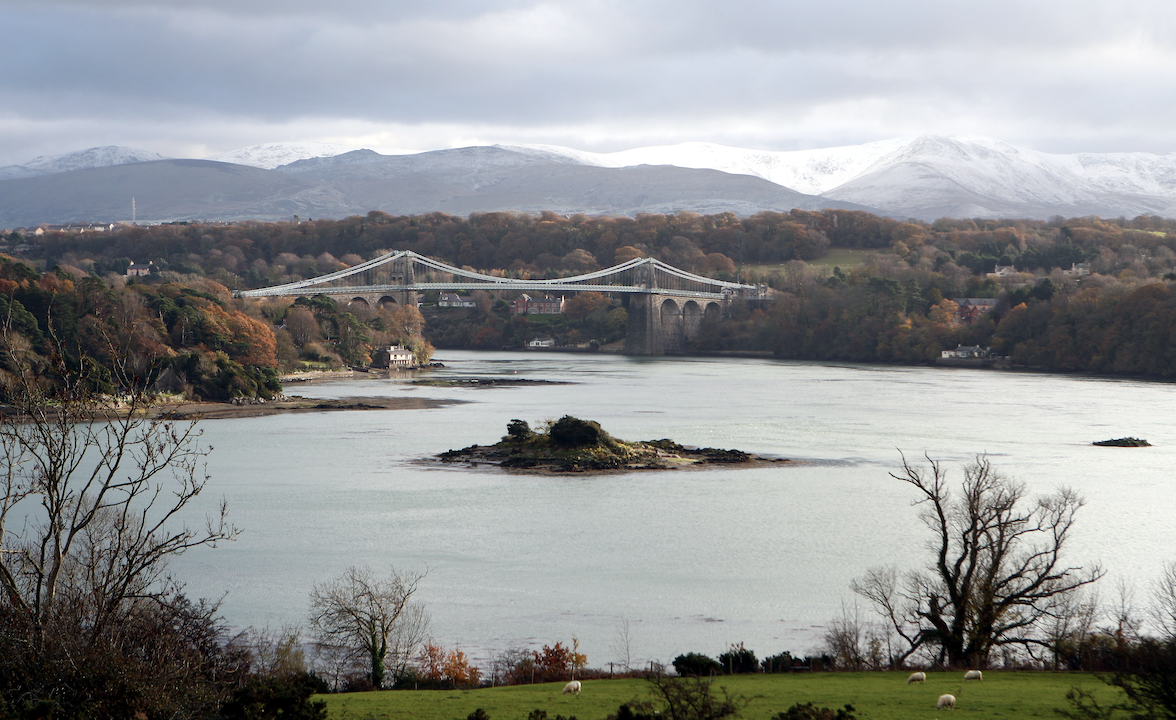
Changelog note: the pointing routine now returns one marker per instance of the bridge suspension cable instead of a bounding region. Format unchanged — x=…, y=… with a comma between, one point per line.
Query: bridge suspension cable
x=405, y=270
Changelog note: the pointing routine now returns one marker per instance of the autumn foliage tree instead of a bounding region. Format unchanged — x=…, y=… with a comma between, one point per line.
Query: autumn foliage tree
x=553, y=663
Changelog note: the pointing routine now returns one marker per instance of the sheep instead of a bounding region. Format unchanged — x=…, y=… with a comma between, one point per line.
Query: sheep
x=974, y=675
x=945, y=701
x=573, y=687
x=919, y=677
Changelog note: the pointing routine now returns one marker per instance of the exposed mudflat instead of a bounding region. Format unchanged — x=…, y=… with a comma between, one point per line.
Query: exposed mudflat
x=294, y=404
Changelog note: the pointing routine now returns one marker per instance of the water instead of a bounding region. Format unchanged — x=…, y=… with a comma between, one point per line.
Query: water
x=694, y=560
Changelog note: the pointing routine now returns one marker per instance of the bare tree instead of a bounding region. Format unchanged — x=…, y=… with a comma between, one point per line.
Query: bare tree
x=1164, y=594
x=844, y=638
x=409, y=633
x=362, y=614
x=855, y=644
x=622, y=646
x=1070, y=622
x=996, y=567
x=94, y=488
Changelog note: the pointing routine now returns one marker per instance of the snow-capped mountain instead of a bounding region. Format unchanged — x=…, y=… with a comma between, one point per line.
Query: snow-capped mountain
x=106, y=156
x=806, y=171
x=274, y=155
x=933, y=176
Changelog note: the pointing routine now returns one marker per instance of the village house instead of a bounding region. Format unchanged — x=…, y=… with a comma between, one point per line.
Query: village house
x=541, y=343
x=527, y=305
x=1003, y=271
x=140, y=269
x=972, y=308
x=454, y=300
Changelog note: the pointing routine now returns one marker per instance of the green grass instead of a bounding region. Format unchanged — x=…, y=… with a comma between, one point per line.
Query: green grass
x=843, y=258
x=875, y=695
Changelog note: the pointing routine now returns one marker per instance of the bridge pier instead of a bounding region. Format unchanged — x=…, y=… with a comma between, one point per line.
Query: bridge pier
x=660, y=324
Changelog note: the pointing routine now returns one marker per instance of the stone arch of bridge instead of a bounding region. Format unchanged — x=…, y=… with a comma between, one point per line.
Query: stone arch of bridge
x=672, y=325
x=381, y=299
x=691, y=321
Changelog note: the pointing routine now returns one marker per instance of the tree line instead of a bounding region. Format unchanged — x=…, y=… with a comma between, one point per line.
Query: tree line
x=255, y=254
x=897, y=306
x=1098, y=323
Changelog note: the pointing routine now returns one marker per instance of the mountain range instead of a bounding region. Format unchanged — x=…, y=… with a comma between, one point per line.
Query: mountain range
x=924, y=177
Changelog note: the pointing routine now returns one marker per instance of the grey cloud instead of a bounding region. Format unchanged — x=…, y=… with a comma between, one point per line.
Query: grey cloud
x=596, y=74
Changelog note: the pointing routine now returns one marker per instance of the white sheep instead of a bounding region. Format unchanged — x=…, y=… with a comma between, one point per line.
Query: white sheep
x=974, y=675
x=573, y=687
x=919, y=677
x=945, y=701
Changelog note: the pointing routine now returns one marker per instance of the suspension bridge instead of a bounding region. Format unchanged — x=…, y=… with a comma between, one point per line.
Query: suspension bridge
x=666, y=305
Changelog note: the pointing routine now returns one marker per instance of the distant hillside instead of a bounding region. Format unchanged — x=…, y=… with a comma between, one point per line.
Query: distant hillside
x=482, y=179
x=926, y=178
x=106, y=156
x=163, y=190
x=461, y=181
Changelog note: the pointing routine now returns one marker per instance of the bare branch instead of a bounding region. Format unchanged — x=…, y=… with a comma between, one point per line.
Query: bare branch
x=996, y=574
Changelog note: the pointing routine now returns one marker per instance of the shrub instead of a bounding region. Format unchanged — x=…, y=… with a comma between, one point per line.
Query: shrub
x=739, y=660
x=518, y=430
x=697, y=665
x=570, y=432
x=782, y=662
x=692, y=699
x=278, y=697
x=809, y=712
x=643, y=712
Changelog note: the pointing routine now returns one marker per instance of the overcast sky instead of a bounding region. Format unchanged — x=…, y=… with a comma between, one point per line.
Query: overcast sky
x=194, y=78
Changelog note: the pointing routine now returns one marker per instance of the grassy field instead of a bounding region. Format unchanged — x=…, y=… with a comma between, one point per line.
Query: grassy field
x=876, y=696
x=843, y=258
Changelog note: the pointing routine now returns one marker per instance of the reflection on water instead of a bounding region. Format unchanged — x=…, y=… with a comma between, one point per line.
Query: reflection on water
x=694, y=560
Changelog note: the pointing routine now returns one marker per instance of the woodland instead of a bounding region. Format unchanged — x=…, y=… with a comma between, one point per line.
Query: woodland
x=895, y=303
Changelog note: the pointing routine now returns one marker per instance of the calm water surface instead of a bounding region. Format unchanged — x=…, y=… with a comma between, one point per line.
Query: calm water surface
x=694, y=560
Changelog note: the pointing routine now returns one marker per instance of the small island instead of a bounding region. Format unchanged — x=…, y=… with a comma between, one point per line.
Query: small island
x=571, y=445
x=1123, y=442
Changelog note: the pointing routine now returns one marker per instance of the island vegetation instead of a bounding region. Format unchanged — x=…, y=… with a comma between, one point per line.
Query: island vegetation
x=570, y=444
x=1123, y=442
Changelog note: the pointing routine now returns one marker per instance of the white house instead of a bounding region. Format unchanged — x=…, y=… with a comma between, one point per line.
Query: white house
x=393, y=356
